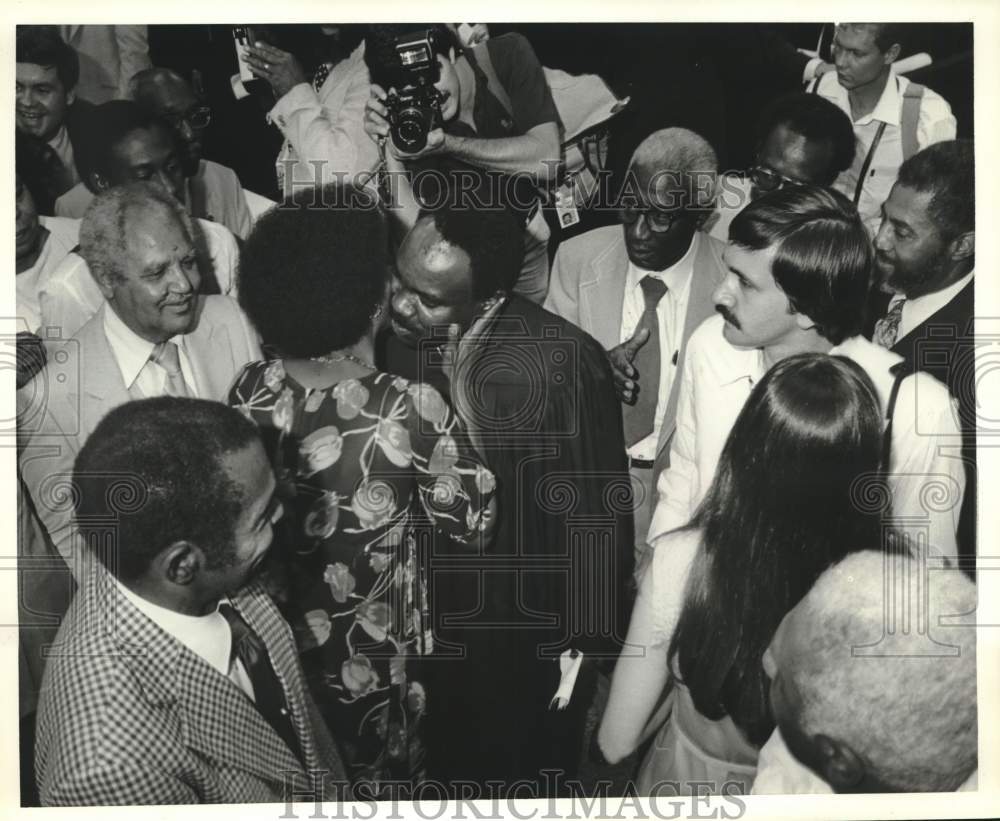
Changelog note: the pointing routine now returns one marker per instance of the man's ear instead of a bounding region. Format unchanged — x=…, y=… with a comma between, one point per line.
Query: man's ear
x=963, y=246
x=71, y=96
x=804, y=322
x=892, y=54
x=181, y=562
x=842, y=768
x=105, y=283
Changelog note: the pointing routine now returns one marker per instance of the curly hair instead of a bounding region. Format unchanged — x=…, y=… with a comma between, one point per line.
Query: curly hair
x=156, y=465
x=42, y=46
x=493, y=239
x=947, y=170
x=105, y=226
x=314, y=269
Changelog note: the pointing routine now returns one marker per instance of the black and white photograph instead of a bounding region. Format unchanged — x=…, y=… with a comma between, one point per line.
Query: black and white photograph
x=462, y=417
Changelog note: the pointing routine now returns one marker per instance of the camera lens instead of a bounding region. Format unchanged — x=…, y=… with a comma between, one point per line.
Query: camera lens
x=410, y=131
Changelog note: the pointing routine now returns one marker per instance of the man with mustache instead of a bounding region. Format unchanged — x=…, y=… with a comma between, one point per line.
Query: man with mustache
x=175, y=679
x=133, y=145
x=925, y=251
x=153, y=335
x=799, y=262
x=893, y=118
x=499, y=128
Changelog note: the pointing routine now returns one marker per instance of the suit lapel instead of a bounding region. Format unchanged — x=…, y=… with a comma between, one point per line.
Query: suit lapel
x=603, y=295
x=217, y=719
x=102, y=388
x=706, y=275
x=210, y=356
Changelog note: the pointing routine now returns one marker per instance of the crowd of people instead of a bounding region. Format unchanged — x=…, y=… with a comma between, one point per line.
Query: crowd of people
x=396, y=479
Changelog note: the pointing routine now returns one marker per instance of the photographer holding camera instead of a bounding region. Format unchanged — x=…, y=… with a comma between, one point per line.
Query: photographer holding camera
x=486, y=112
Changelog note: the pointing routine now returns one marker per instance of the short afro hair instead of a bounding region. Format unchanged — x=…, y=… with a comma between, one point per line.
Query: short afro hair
x=492, y=237
x=947, y=170
x=824, y=255
x=155, y=467
x=315, y=269
x=42, y=46
x=818, y=120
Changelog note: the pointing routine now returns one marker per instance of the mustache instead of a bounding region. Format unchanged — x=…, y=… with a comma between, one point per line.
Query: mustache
x=729, y=317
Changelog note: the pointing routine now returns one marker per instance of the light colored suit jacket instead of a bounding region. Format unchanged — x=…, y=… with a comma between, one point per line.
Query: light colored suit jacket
x=82, y=382
x=129, y=715
x=587, y=288
x=109, y=56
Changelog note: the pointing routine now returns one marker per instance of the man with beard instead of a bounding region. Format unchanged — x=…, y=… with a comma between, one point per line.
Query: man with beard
x=211, y=191
x=799, y=263
x=539, y=393
x=925, y=250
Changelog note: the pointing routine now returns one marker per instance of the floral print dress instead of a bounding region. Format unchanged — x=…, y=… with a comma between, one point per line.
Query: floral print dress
x=357, y=464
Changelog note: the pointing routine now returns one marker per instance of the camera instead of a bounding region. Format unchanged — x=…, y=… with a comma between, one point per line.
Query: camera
x=415, y=106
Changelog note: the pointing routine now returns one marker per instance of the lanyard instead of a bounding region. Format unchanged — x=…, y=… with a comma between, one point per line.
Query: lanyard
x=867, y=163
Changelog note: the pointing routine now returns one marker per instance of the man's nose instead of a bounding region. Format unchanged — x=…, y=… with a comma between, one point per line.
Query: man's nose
x=882, y=236
x=401, y=302
x=722, y=294
x=184, y=131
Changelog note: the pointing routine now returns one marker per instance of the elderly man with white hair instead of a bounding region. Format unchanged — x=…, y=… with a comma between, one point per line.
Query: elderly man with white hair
x=640, y=290
x=873, y=682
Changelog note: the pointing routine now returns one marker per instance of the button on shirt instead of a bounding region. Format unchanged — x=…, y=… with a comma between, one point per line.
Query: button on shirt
x=919, y=310
x=132, y=353
x=208, y=637
x=670, y=313
x=935, y=123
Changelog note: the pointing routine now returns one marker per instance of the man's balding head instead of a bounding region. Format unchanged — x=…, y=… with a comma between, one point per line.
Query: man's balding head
x=872, y=693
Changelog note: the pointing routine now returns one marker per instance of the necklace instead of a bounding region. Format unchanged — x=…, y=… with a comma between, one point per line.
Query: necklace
x=342, y=356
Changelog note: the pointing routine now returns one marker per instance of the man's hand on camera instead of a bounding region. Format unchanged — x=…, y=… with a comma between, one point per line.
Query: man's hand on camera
x=376, y=124
x=279, y=68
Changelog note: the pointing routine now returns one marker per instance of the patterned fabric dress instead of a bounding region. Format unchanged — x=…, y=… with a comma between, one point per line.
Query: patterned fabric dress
x=359, y=465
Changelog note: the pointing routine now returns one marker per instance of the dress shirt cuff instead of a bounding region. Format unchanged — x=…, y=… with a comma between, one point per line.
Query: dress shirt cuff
x=298, y=96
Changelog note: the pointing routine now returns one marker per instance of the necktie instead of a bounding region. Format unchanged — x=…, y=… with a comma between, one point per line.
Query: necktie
x=887, y=328
x=638, y=418
x=269, y=695
x=165, y=355
x=320, y=75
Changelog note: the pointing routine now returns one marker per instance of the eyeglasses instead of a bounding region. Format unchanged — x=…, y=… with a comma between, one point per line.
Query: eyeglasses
x=767, y=180
x=196, y=118
x=659, y=222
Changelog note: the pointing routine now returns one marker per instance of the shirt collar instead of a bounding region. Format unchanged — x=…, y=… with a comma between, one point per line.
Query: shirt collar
x=131, y=351
x=888, y=109
x=676, y=277
x=208, y=637
x=932, y=302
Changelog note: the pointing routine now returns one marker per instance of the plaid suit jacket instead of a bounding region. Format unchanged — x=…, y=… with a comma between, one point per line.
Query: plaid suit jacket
x=128, y=715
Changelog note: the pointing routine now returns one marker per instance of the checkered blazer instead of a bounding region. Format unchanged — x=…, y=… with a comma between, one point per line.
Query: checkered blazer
x=128, y=715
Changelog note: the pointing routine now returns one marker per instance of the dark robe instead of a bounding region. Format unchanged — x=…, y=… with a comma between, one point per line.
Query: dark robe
x=558, y=572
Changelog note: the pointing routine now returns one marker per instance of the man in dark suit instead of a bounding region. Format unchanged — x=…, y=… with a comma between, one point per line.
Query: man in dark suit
x=51, y=124
x=174, y=679
x=600, y=281
x=925, y=251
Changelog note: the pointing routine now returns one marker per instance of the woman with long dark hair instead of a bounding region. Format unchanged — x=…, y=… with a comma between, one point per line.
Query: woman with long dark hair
x=779, y=512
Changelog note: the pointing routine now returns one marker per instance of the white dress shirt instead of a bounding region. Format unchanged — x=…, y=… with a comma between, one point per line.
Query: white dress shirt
x=935, y=123
x=208, y=637
x=927, y=477
x=132, y=353
x=670, y=312
x=63, y=237
x=922, y=308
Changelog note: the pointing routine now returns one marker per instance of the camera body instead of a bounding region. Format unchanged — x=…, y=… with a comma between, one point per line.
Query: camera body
x=414, y=108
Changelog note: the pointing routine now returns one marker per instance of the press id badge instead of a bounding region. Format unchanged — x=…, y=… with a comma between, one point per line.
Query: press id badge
x=566, y=208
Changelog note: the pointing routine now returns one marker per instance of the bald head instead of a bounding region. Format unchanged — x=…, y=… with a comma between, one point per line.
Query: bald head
x=874, y=676
x=166, y=94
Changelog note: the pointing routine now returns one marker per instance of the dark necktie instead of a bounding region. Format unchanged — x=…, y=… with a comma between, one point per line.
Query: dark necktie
x=887, y=328
x=320, y=75
x=638, y=418
x=269, y=695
